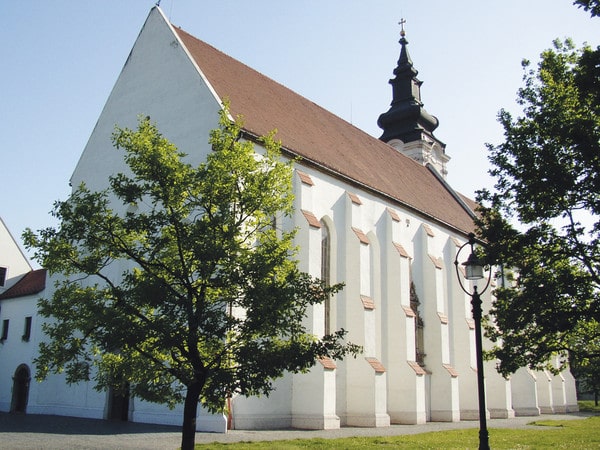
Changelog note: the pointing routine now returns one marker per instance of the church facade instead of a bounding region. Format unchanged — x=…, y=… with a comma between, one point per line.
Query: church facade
x=376, y=214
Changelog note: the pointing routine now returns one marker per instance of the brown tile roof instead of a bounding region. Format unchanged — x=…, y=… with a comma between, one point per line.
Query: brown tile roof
x=428, y=230
x=311, y=219
x=437, y=262
x=408, y=311
x=376, y=364
x=305, y=178
x=327, y=363
x=31, y=283
x=469, y=202
x=451, y=370
x=323, y=139
x=362, y=237
x=354, y=198
x=417, y=367
x=401, y=250
x=367, y=302
x=393, y=214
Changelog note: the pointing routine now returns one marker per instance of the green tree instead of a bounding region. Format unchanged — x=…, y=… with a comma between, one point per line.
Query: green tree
x=543, y=218
x=191, y=293
x=587, y=370
x=593, y=6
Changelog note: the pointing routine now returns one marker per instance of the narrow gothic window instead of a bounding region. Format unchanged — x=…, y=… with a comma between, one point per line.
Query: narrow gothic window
x=419, y=338
x=2, y=276
x=4, y=335
x=27, y=329
x=325, y=272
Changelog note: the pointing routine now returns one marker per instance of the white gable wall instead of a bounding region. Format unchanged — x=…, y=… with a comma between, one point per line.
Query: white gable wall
x=12, y=258
x=158, y=80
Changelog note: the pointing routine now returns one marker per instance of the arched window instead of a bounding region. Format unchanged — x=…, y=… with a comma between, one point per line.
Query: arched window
x=326, y=272
x=419, y=336
x=20, y=393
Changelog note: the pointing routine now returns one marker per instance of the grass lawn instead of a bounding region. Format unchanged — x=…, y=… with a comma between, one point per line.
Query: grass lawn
x=588, y=406
x=575, y=434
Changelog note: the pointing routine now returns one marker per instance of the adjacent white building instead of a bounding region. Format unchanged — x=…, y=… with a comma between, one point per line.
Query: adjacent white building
x=376, y=214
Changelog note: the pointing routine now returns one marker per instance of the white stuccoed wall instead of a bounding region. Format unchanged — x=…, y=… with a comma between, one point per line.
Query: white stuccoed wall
x=11, y=257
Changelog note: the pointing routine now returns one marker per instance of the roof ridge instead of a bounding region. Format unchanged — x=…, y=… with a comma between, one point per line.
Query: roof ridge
x=457, y=195
x=324, y=139
x=266, y=77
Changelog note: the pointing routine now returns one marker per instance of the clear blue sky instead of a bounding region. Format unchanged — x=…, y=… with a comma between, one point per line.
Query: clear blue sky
x=59, y=60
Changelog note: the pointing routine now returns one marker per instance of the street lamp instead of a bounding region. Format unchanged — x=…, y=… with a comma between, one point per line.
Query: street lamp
x=474, y=271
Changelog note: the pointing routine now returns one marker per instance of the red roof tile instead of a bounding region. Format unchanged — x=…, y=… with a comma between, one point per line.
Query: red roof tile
x=367, y=302
x=376, y=364
x=327, y=363
x=416, y=367
x=408, y=311
x=305, y=178
x=451, y=370
x=354, y=198
x=428, y=230
x=470, y=323
x=311, y=219
x=393, y=214
x=31, y=283
x=438, y=262
x=362, y=237
x=401, y=250
x=323, y=139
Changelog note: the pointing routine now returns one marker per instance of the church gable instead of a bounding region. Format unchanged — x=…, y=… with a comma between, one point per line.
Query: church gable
x=159, y=80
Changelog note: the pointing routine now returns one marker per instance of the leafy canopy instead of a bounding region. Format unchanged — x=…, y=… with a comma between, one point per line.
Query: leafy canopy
x=542, y=221
x=592, y=6
x=179, y=278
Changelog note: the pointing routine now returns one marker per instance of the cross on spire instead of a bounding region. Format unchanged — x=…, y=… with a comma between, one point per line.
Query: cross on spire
x=401, y=23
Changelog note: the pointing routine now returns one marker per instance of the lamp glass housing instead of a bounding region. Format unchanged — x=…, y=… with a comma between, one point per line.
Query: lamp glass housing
x=473, y=268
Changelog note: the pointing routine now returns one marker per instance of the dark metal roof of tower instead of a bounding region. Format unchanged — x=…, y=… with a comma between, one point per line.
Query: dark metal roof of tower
x=406, y=119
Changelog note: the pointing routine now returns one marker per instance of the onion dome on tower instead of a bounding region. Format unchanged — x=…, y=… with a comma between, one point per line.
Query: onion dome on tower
x=406, y=125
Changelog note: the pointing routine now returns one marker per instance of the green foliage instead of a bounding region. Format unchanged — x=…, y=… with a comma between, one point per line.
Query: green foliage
x=587, y=370
x=543, y=219
x=176, y=276
x=588, y=406
x=593, y=6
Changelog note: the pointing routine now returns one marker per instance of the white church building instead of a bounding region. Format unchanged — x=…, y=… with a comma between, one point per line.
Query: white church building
x=376, y=214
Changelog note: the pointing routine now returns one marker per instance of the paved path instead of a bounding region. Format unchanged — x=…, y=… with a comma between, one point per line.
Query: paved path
x=55, y=432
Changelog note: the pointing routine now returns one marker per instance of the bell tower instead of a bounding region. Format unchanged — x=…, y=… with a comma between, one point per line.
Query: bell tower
x=406, y=125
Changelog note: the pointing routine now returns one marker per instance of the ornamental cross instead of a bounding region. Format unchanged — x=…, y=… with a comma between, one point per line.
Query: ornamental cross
x=401, y=23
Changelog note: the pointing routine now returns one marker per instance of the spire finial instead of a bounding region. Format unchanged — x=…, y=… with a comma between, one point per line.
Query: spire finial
x=401, y=23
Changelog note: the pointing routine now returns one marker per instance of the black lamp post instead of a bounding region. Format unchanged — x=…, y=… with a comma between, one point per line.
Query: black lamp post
x=474, y=271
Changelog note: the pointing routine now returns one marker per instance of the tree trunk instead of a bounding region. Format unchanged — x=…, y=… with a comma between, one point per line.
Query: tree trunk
x=596, y=398
x=190, y=410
